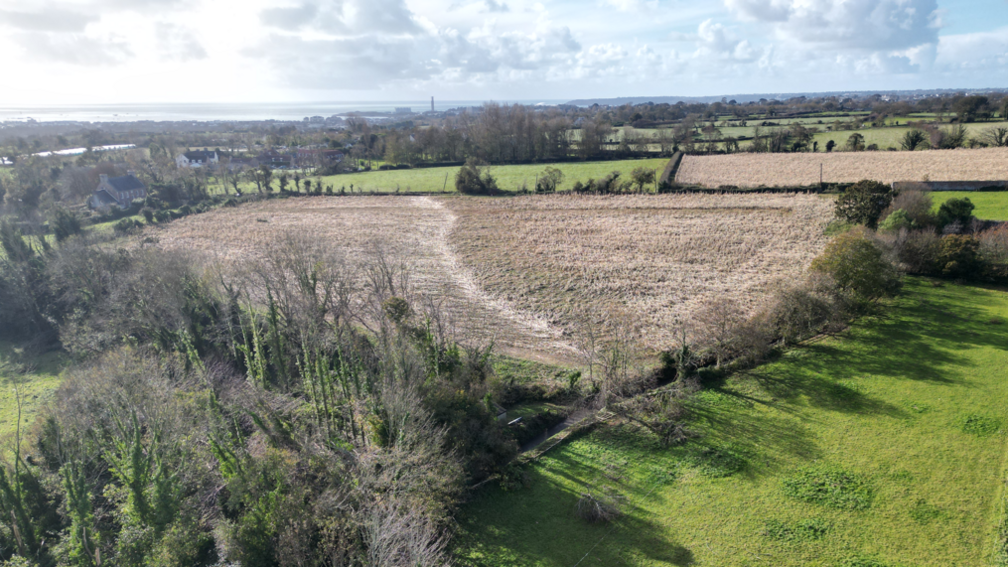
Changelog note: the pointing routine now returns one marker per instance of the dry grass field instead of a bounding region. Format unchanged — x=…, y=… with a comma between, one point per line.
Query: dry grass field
x=525, y=272
x=754, y=170
x=648, y=261
x=411, y=230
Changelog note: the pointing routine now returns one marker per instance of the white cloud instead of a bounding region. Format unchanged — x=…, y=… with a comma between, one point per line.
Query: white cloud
x=353, y=45
x=714, y=40
x=178, y=42
x=494, y=6
x=289, y=17
x=846, y=24
x=49, y=20
x=631, y=5
x=74, y=49
x=490, y=49
x=846, y=38
x=986, y=51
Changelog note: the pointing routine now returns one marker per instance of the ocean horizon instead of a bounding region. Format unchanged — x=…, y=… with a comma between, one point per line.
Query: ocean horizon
x=202, y=112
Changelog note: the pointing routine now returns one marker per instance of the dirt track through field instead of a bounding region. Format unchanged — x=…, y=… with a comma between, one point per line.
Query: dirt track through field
x=415, y=229
x=536, y=274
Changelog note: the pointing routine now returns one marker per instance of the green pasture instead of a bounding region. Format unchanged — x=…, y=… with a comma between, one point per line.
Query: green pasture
x=990, y=205
x=35, y=379
x=436, y=179
x=890, y=137
x=887, y=137
x=883, y=446
x=109, y=226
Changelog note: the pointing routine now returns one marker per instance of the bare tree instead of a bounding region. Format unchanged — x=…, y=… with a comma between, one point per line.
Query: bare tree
x=719, y=322
x=995, y=136
x=587, y=334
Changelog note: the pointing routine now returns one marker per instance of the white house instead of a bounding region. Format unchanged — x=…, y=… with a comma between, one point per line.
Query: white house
x=197, y=158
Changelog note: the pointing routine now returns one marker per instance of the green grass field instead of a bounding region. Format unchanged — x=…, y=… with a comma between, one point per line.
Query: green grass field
x=903, y=416
x=36, y=385
x=106, y=227
x=990, y=205
x=885, y=138
x=509, y=177
x=890, y=137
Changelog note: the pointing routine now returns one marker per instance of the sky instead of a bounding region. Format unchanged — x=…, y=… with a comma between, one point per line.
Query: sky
x=245, y=51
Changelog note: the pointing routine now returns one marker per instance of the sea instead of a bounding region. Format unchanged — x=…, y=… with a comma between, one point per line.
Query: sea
x=201, y=112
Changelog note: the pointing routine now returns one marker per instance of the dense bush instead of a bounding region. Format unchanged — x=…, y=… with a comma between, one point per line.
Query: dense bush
x=864, y=202
x=959, y=256
x=64, y=224
x=475, y=179
x=955, y=211
x=914, y=139
x=606, y=185
x=858, y=267
x=126, y=226
x=549, y=180
x=897, y=221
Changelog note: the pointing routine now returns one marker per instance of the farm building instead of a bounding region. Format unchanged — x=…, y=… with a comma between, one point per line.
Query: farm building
x=117, y=191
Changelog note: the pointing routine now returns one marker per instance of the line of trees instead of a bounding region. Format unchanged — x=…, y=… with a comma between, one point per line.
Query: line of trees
x=313, y=411
x=500, y=134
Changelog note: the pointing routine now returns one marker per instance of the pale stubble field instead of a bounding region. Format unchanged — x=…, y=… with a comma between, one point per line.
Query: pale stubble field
x=803, y=168
x=525, y=272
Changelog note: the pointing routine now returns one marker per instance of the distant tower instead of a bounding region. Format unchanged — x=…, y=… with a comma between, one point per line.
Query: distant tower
x=432, y=104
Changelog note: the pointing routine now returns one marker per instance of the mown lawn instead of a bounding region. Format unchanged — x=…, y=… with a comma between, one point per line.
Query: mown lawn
x=903, y=415
x=35, y=385
x=433, y=180
x=990, y=205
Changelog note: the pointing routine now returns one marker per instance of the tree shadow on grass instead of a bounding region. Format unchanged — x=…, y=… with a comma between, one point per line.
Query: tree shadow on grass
x=538, y=526
x=920, y=339
x=762, y=440
x=824, y=393
x=917, y=340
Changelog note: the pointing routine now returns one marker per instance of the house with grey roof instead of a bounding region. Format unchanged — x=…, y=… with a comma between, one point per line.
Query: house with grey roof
x=197, y=158
x=117, y=192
